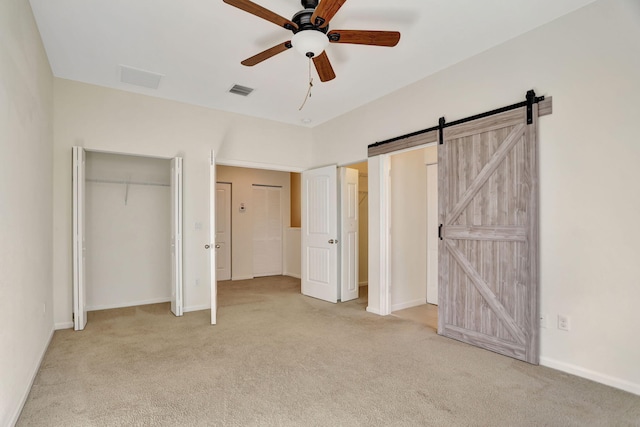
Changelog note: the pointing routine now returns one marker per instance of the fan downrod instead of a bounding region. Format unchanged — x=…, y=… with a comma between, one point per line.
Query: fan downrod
x=309, y=4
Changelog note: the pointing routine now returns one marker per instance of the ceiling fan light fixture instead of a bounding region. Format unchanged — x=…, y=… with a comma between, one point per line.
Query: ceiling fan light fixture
x=310, y=43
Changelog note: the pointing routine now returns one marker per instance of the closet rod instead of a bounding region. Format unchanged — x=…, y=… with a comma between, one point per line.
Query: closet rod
x=107, y=181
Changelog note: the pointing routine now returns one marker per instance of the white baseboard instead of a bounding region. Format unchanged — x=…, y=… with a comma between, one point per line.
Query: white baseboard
x=242, y=278
x=128, y=304
x=408, y=304
x=294, y=275
x=196, y=308
x=373, y=310
x=25, y=394
x=63, y=325
x=591, y=375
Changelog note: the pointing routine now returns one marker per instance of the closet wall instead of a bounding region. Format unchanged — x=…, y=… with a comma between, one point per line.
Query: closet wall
x=128, y=257
x=408, y=229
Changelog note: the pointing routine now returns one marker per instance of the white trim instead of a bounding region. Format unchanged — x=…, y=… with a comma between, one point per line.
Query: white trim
x=591, y=375
x=129, y=304
x=258, y=165
x=196, y=308
x=25, y=394
x=242, y=277
x=385, y=235
x=408, y=304
x=294, y=275
x=373, y=310
x=63, y=325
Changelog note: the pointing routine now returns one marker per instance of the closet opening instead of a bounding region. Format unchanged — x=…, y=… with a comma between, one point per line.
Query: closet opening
x=414, y=234
x=127, y=232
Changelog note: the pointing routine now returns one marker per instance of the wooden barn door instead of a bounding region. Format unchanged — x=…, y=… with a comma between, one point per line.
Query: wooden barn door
x=488, y=208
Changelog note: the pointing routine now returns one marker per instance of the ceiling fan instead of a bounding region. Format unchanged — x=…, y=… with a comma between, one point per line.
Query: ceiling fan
x=311, y=34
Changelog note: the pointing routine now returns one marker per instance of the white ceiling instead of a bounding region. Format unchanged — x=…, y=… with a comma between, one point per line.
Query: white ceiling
x=197, y=45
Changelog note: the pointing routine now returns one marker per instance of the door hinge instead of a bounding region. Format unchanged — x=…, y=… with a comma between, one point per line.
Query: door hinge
x=440, y=232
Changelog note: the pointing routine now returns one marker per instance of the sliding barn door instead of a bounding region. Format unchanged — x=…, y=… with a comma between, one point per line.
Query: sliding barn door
x=488, y=268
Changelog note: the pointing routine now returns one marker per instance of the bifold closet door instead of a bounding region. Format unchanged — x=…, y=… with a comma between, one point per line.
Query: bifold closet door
x=176, y=237
x=488, y=211
x=79, y=242
x=267, y=231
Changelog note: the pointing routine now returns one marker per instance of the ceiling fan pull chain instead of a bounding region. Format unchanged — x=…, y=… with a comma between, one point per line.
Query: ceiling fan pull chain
x=308, y=95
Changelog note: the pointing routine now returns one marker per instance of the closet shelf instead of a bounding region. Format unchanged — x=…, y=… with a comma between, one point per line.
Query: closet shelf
x=107, y=181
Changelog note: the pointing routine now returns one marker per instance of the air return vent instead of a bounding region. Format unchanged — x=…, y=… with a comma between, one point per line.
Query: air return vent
x=241, y=90
x=138, y=77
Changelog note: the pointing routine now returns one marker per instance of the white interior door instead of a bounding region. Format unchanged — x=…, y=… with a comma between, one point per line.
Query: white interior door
x=176, y=236
x=223, y=231
x=320, y=233
x=212, y=238
x=79, y=246
x=349, y=234
x=432, y=234
x=267, y=230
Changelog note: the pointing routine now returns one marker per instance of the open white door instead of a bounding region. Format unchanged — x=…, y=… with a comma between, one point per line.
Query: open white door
x=211, y=246
x=176, y=236
x=320, y=234
x=79, y=247
x=349, y=235
x=223, y=231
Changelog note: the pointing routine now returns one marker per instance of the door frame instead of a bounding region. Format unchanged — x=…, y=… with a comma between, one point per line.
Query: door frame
x=229, y=223
x=380, y=246
x=74, y=291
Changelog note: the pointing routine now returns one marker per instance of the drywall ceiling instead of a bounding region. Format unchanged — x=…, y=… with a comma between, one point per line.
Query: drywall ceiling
x=197, y=46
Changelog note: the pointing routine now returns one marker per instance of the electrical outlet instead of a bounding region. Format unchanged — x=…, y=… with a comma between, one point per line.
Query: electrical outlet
x=543, y=320
x=564, y=322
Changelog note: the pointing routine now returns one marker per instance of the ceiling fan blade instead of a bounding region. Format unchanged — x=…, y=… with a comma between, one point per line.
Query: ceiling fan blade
x=324, y=68
x=263, y=13
x=325, y=11
x=371, y=38
x=256, y=59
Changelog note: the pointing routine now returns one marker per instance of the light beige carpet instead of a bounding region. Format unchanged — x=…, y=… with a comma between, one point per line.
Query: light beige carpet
x=277, y=358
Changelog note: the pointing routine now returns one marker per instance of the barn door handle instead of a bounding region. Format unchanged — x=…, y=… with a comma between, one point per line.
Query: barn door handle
x=440, y=232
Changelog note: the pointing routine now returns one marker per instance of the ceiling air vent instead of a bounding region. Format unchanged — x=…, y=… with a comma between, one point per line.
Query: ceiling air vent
x=241, y=90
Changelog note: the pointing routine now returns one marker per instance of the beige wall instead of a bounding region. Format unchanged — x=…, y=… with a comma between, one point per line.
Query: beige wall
x=26, y=117
x=127, y=231
x=589, y=61
x=363, y=221
x=408, y=229
x=242, y=181
x=104, y=119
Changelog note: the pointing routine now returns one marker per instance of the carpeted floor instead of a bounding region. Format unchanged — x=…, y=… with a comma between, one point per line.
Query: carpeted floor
x=277, y=358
